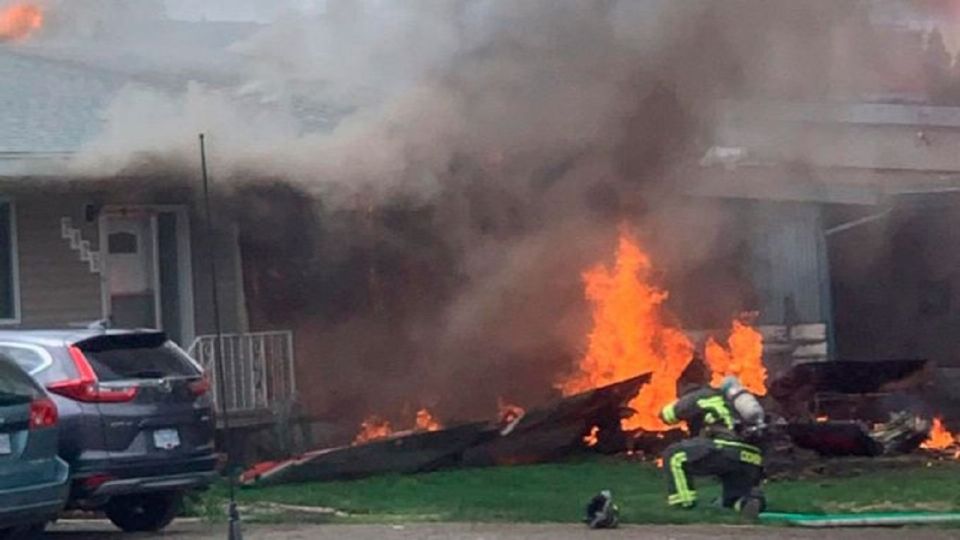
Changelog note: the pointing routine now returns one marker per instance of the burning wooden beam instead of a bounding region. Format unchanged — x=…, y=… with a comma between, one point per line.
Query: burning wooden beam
x=552, y=432
x=540, y=435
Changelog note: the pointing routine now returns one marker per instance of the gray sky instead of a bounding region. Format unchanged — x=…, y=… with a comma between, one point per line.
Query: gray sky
x=238, y=10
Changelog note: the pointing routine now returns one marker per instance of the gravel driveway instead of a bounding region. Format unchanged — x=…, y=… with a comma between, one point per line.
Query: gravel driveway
x=201, y=531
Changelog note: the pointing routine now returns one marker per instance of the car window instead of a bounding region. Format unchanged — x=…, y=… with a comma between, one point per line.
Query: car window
x=15, y=385
x=123, y=358
x=30, y=359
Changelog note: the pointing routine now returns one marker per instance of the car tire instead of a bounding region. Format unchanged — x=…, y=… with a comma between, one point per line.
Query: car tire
x=147, y=512
x=23, y=532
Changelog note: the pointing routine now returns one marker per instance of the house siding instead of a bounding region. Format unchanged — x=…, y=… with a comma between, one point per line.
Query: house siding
x=56, y=287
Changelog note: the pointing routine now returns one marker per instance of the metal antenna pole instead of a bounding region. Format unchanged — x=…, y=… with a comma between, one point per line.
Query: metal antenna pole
x=235, y=532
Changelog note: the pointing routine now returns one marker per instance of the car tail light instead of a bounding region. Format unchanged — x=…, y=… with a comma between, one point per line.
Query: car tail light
x=43, y=413
x=86, y=387
x=200, y=386
x=91, y=483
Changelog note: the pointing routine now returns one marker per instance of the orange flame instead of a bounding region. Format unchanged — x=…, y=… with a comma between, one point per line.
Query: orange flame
x=373, y=428
x=376, y=427
x=631, y=337
x=940, y=437
x=18, y=21
x=743, y=357
x=659, y=462
x=822, y=419
x=426, y=421
x=591, y=439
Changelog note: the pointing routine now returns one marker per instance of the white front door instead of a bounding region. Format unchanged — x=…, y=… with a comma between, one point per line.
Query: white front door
x=131, y=273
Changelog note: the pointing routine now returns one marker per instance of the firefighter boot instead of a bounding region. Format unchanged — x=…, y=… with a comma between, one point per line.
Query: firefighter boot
x=751, y=505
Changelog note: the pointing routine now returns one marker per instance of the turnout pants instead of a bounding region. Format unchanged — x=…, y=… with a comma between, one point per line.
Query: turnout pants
x=739, y=466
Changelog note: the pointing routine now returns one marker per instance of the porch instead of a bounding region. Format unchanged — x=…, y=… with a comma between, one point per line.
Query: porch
x=259, y=375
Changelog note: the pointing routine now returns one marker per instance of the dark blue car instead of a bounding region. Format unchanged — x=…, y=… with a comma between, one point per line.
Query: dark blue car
x=137, y=426
x=34, y=480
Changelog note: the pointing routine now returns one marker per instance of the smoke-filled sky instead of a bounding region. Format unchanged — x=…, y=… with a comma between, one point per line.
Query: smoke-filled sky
x=370, y=78
x=263, y=11
x=469, y=159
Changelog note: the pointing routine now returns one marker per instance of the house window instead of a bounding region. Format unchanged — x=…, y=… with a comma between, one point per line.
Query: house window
x=8, y=259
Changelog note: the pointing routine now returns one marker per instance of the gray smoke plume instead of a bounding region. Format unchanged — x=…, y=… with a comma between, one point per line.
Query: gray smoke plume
x=428, y=179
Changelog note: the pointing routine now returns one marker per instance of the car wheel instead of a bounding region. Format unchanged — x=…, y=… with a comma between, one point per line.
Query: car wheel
x=23, y=532
x=148, y=512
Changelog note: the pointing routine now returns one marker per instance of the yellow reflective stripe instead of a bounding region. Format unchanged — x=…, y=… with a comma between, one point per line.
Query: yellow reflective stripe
x=752, y=458
x=669, y=414
x=748, y=453
x=674, y=500
x=684, y=493
x=719, y=406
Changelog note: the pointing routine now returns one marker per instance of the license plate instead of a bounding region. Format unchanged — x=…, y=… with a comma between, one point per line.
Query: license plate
x=5, y=447
x=166, y=439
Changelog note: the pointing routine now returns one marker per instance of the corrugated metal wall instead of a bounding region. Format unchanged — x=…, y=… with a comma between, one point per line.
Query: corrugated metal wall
x=789, y=263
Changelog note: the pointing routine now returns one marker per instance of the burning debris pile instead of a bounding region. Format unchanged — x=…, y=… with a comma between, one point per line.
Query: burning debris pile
x=860, y=409
x=637, y=358
x=518, y=437
x=941, y=440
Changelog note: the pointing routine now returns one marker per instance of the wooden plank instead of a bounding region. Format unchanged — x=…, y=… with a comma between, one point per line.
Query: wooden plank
x=811, y=332
x=819, y=349
x=541, y=435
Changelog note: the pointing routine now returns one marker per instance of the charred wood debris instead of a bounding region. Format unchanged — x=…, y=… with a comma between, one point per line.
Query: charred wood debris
x=865, y=412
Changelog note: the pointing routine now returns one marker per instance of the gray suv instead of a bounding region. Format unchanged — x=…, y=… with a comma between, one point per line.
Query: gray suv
x=136, y=419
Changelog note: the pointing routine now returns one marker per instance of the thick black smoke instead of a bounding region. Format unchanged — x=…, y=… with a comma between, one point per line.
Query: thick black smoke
x=475, y=157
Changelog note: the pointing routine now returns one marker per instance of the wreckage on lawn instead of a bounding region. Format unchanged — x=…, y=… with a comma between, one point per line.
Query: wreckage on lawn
x=518, y=437
x=638, y=359
x=814, y=410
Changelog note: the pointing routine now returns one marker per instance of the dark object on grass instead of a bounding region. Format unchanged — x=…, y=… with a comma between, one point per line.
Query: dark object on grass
x=401, y=454
x=901, y=433
x=835, y=438
x=538, y=436
x=602, y=512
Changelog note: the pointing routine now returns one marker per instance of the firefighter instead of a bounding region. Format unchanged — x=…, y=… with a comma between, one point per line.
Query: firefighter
x=724, y=424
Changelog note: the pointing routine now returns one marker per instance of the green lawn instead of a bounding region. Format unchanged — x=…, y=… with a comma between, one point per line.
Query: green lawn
x=558, y=492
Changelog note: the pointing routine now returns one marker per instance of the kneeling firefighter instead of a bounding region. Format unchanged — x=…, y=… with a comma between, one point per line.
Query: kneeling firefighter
x=724, y=424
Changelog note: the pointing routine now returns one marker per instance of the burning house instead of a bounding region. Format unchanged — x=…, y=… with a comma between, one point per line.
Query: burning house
x=468, y=210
